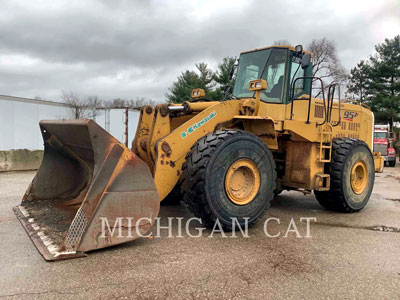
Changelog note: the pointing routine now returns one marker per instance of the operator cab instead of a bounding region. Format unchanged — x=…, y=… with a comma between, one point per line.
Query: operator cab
x=279, y=66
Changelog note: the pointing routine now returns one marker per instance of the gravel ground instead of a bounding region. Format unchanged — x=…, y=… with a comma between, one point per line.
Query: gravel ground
x=348, y=256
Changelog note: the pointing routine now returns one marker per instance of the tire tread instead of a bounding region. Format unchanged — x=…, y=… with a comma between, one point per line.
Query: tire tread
x=334, y=199
x=194, y=169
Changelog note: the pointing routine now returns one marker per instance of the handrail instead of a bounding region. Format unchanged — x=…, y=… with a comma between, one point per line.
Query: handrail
x=312, y=78
x=331, y=93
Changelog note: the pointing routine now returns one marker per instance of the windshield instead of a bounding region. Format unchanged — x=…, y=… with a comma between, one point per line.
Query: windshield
x=380, y=135
x=270, y=65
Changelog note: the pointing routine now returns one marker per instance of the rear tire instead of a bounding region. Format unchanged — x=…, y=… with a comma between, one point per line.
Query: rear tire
x=205, y=173
x=349, y=190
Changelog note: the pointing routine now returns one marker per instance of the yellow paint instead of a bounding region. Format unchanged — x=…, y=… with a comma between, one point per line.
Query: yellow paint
x=297, y=133
x=160, y=130
x=302, y=165
x=198, y=93
x=359, y=177
x=379, y=162
x=278, y=46
x=143, y=132
x=307, y=145
x=242, y=181
x=257, y=85
x=167, y=175
x=263, y=127
x=198, y=106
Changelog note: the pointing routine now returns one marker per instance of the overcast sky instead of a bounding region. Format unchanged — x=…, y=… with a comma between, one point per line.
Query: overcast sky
x=137, y=48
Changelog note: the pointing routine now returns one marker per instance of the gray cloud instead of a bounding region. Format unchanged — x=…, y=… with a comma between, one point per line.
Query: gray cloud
x=138, y=48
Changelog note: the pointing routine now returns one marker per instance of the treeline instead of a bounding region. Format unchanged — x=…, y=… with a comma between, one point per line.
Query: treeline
x=218, y=84
x=87, y=106
x=376, y=81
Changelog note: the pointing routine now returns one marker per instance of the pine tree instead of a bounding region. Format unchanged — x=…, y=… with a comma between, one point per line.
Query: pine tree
x=358, y=80
x=384, y=77
x=181, y=89
x=223, y=78
x=218, y=85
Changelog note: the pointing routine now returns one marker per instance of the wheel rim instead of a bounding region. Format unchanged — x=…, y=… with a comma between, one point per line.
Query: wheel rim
x=359, y=177
x=242, y=181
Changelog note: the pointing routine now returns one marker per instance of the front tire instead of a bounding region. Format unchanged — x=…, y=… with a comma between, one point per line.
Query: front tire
x=173, y=198
x=229, y=174
x=352, y=177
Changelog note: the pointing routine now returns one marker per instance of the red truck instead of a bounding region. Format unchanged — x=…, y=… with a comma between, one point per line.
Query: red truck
x=384, y=143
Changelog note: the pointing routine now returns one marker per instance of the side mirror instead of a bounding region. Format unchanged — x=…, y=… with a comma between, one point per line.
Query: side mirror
x=299, y=48
x=232, y=71
x=227, y=88
x=305, y=61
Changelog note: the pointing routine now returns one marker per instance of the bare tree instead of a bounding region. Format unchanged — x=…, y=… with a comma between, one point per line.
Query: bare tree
x=91, y=106
x=82, y=107
x=138, y=102
x=117, y=103
x=135, y=104
x=282, y=43
x=94, y=102
x=326, y=63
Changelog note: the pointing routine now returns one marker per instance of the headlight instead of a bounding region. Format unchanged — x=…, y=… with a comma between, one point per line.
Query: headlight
x=257, y=85
x=198, y=93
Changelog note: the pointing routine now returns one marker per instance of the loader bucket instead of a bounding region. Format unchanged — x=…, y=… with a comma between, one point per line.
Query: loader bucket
x=90, y=192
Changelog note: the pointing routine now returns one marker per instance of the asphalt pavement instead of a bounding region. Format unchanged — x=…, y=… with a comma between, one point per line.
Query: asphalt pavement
x=346, y=256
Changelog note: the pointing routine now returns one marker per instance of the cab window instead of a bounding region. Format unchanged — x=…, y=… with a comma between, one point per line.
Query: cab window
x=268, y=64
x=298, y=84
x=274, y=74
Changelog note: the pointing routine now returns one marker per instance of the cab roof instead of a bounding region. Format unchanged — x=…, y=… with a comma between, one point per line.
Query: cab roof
x=281, y=47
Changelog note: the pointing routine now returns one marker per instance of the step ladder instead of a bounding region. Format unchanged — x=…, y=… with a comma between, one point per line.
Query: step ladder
x=325, y=156
x=325, y=143
x=323, y=182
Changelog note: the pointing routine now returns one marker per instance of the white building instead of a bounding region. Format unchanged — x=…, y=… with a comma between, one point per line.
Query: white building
x=19, y=121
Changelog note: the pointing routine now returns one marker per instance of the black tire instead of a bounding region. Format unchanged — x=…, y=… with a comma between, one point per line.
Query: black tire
x=203, y=177
x=341, y=197
x=174, y=197
x=392, y=163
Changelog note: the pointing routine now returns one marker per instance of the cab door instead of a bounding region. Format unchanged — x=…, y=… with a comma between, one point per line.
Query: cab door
x=295, y=72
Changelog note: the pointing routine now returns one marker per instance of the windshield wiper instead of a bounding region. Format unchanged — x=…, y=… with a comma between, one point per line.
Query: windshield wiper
x=262, y=73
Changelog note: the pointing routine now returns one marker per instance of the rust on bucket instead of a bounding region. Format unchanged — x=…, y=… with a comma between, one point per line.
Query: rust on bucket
x=86, y=175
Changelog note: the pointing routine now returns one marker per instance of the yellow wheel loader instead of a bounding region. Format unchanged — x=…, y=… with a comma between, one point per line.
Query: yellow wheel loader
x=225, y=159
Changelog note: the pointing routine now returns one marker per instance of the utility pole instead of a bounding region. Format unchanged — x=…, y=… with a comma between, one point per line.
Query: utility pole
x=126, y=126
